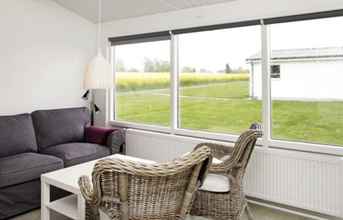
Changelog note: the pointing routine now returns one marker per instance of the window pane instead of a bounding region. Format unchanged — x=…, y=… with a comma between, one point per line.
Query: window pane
x=216, y=86
x=307, y=99
x=143, y=82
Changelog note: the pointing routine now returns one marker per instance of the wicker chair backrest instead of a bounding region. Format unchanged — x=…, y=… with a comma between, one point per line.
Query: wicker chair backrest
x=130, y=190
x=243, y=149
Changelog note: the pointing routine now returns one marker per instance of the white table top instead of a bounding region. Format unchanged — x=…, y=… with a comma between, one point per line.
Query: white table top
x=67, y=178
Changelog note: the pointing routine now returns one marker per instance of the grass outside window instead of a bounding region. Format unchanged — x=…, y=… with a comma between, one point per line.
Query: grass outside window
x=222, y=104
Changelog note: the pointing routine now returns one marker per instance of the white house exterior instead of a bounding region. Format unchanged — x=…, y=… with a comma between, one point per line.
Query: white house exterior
x=304, y=74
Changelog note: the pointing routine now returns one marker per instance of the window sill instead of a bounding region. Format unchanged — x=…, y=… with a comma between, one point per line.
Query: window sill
x=279, y=144
x=179, y=131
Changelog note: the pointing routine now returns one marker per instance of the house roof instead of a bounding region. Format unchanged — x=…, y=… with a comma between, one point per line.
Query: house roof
x=303, y=53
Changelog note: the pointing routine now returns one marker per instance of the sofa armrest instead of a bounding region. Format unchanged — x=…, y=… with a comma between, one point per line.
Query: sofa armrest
x=114, y=138
x=97, y=135
x=116, y=141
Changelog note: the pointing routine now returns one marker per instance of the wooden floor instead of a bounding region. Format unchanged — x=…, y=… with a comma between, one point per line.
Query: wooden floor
x=259, y=212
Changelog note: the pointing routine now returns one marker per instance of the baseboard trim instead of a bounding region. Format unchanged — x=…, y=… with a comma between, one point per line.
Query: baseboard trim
x=291, y=210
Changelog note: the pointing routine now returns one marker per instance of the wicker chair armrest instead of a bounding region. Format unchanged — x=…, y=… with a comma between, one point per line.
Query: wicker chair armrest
x=219, y=151
x=86, y=189
x=222, y=153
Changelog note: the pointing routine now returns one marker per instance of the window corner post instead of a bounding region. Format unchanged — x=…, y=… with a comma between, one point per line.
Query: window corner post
x=266, y=83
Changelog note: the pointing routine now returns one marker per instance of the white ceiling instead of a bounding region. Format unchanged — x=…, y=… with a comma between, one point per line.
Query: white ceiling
x=121, y=9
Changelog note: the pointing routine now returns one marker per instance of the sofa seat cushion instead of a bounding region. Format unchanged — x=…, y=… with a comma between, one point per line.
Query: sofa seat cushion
x=216, y=183
x=76, y=153
x=25, y=167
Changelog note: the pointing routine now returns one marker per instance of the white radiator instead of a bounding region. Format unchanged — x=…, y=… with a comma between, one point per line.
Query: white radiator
x=303, y=180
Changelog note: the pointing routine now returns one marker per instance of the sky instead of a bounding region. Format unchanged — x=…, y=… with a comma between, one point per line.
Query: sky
x=211, y=50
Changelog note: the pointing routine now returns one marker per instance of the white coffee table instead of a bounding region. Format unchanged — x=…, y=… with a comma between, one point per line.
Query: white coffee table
x=72, y=206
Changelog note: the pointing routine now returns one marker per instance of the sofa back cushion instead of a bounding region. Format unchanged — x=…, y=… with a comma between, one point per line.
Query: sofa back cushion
x=16, y=135
x=60, y=126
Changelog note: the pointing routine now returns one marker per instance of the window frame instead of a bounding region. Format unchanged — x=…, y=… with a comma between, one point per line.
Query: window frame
x=266, y=141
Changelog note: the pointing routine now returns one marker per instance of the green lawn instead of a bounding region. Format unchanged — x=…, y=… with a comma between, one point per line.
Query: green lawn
x=226, y=108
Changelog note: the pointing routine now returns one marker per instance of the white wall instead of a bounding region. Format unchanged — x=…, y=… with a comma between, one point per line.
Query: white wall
x=44, y=50
x=303, y=80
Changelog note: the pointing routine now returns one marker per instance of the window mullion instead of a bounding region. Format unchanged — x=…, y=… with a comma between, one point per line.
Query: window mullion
x=109, y=102
x=174, y=83
x=113, y=97
x=266, y=84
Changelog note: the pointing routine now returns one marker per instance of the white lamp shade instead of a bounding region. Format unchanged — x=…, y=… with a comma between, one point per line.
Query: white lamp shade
x=99, y=74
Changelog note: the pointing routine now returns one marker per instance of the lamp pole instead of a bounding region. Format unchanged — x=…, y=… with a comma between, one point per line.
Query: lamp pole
x=92, y=107
x=89, y=96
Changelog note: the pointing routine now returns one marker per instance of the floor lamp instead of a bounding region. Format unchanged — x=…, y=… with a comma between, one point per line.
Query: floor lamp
x=99, y=73
x=94, y=108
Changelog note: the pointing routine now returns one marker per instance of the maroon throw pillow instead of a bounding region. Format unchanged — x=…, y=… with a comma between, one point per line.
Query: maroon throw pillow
x=97, y=135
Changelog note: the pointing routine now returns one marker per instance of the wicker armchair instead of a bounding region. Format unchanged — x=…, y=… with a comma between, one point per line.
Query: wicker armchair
x=127, y=190
x=222, y=195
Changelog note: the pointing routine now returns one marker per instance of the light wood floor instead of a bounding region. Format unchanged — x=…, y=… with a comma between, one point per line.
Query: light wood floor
x=259, y=212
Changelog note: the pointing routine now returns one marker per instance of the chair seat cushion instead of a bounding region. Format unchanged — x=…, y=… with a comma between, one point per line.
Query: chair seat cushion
x=76, y=153
x=216, y=183
x=25, y=167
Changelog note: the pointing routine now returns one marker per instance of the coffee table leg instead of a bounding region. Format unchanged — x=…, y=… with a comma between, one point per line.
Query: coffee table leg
x=45, y=200
x=81, y=207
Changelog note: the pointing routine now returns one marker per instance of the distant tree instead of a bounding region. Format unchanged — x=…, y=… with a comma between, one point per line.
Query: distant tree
x=148, y=65
x=156, y=65
x=242, y=70
x=162, y=66
x=133, y=70
x=120, y=67
x=187, y=69
x=203, y=70
x=228, y=68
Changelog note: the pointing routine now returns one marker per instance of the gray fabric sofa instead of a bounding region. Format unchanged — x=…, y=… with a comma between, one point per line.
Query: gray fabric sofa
x=32, y=144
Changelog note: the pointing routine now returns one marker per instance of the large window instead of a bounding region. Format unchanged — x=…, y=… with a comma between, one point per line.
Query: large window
x=307, y=102
x=143, y=82
x=215, y=82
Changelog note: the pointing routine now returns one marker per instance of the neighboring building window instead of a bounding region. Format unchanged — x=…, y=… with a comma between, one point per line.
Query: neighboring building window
x=143, y=82
x=275, y=71
x=215, y=80
x=307, y=104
